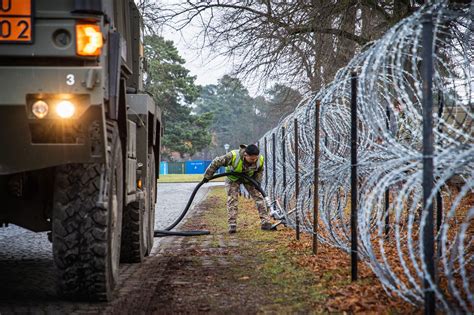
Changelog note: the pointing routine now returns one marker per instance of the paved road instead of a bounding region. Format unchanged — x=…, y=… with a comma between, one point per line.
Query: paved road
x=172, y=199
x=27, y=283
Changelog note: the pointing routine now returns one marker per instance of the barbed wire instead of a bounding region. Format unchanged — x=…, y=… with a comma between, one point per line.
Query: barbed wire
x=391, y=218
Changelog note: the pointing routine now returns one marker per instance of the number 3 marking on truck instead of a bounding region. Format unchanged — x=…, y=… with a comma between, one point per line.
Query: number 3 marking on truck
x=70, y=79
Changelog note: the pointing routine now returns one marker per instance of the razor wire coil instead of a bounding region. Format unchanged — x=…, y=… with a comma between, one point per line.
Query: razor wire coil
x=390, y=160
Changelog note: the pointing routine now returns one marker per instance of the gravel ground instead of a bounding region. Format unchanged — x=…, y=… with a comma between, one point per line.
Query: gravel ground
x=27, y=283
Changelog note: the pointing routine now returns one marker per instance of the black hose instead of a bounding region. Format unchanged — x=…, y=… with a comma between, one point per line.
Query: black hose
x=167, y=231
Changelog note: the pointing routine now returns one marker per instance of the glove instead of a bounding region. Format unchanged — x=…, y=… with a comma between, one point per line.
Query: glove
x=205, y=180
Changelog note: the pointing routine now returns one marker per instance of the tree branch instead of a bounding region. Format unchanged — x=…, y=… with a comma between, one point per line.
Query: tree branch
x=358, y=39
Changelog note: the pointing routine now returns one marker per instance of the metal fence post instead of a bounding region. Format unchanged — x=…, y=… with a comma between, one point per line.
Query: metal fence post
x=266, y=164
x=387, y=192
x=283, y=149
x=316, y=178
x=428, y=178
x=439, y=220
x=439, y=197
x=387, y=217
x=297, y=180
x=354, y=254
x=274, y=164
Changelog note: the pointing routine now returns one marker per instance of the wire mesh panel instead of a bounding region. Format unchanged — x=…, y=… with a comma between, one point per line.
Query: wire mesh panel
x=176, y=167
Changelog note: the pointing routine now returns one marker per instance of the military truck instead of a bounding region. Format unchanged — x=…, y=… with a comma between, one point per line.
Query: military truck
x=79, y=138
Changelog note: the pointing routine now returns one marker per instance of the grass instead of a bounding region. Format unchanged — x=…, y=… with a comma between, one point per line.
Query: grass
x=184, y=178
x=294, y=280
x=270, y=266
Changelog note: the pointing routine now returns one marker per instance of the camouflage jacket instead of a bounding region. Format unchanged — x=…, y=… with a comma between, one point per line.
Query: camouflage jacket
x=226, y=160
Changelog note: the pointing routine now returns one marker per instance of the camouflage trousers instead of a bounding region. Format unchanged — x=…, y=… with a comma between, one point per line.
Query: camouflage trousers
x=233, y=190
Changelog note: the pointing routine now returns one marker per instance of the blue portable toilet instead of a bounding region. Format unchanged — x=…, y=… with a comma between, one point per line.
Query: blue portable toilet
x=163, y=168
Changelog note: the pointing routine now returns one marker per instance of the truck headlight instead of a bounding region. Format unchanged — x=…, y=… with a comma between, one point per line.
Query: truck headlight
x=40, y=109
x=65, y=109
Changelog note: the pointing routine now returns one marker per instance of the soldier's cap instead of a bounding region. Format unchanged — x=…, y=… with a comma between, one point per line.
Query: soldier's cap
x=252, y=149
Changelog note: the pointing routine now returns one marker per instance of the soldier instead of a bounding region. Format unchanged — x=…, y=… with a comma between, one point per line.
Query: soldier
x=247, y=160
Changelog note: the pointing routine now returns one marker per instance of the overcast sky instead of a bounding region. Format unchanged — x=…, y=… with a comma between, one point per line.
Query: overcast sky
x=204, y=65
x=207, y=70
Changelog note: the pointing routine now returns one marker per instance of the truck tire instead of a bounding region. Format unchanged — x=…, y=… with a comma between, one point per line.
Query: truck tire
x=151, y=200
x=87, y=224
x=134, y=239
x=138, y=221
x=133, y=244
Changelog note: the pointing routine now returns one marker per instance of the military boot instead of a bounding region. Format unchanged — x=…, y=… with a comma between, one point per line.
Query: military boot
x=267, y=226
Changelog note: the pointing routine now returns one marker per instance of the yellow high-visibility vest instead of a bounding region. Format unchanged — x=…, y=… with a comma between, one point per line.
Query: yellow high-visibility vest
x=237, y=164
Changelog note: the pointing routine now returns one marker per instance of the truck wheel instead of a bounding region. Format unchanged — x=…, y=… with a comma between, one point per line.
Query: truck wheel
x=139, y=222
x=87, y=224
x=151, y=200
x=133, y=244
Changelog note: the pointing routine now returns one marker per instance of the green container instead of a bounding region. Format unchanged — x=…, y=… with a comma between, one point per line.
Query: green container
x=176, y=168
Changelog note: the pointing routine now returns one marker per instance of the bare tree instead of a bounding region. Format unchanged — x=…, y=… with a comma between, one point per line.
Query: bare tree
x=150, y=11
x=302, y=42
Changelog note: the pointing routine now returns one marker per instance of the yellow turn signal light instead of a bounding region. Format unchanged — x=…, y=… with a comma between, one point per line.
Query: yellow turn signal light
x=65, y=109
x=89, y=40
x=139, y=184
